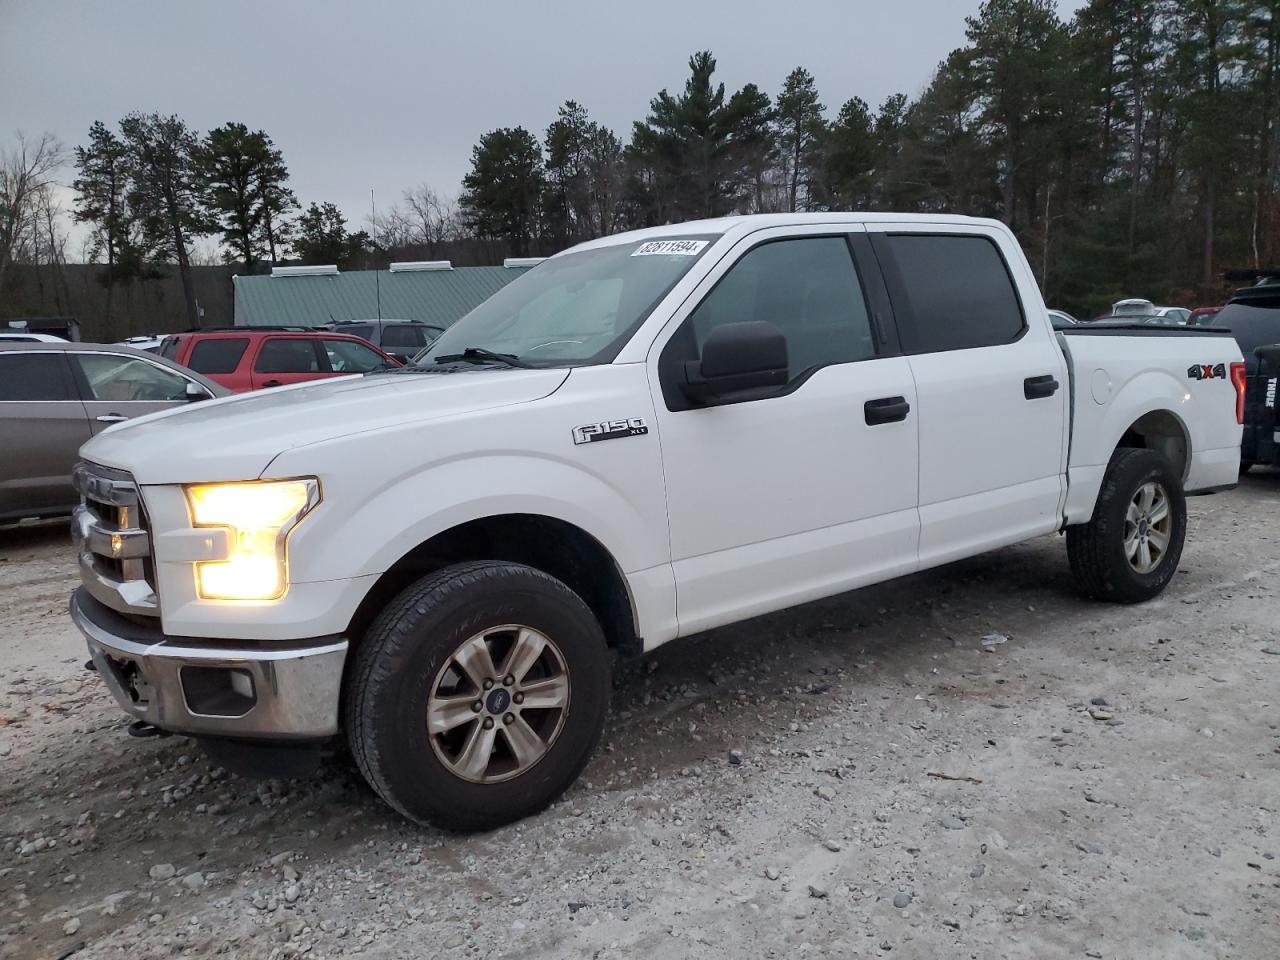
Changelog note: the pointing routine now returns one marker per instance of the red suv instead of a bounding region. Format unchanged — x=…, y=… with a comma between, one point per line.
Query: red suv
x=249, y=358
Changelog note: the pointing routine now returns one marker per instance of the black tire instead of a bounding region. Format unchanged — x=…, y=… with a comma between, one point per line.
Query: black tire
x=405, y=650
x=1096, y=549
x=1245, y=466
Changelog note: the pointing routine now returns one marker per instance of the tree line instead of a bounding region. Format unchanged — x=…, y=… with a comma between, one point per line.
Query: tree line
x=1131, y=148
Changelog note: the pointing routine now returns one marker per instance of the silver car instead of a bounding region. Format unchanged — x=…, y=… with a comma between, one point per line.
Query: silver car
x=54, y=396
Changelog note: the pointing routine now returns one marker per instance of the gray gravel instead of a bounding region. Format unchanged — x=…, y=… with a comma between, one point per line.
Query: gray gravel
x=781, y=788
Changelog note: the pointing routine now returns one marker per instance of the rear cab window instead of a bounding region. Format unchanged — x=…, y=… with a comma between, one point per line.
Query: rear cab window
x=217, y=355
x=950, y=292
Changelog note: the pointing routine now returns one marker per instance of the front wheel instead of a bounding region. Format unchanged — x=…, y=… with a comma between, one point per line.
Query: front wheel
x=1130, y=550
x=478, y=695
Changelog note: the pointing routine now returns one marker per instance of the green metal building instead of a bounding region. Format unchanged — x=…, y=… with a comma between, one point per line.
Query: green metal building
x=433, y=292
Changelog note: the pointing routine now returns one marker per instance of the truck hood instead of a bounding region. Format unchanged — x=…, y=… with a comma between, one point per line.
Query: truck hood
x=236, y=437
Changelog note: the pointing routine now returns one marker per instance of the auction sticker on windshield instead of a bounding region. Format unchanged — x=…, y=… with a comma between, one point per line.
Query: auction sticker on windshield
x=681, y=248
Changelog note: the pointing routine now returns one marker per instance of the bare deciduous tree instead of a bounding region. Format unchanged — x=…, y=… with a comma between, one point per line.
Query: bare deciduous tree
x=27, y=177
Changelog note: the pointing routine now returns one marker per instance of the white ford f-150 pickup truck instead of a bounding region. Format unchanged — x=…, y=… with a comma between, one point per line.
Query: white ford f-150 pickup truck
x=646, y=436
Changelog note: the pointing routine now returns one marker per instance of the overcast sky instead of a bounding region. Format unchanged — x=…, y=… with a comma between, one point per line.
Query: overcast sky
x=384, y=95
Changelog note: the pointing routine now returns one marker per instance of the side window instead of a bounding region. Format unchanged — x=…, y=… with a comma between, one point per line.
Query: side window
x=169, y=348
x=401, y=335
x=288, y=355
x=125, y=379
x=218, y=355
x=958, y=290
x=348, y=357
x=806, y=287
x=34, y=376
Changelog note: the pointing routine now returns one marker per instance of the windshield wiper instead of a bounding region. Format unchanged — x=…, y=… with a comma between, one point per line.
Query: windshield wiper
x=480, y=355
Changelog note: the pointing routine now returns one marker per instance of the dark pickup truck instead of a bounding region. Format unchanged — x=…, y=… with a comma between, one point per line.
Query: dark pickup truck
x=1253, y=317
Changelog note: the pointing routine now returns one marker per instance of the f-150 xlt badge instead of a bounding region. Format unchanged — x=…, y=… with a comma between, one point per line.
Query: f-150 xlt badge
x=610, y=430
x=1207, y=371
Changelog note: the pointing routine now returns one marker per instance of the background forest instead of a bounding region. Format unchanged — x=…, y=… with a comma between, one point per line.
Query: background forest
x=1132, y=149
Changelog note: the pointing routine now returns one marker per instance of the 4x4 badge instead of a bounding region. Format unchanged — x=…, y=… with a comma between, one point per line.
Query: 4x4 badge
x=1207, y=371
x=610, y=430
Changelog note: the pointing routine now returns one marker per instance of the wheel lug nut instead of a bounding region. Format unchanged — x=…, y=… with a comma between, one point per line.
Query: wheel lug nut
x=518, y=698
x=508, y=680
x=477, y=706
x=509, y=718
x=488, y=723
x=488, y=684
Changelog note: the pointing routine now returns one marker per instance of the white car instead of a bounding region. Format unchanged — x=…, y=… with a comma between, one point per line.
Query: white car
x=20, y=337
x=1145, y=309
x=151, y=343
x=644, y=437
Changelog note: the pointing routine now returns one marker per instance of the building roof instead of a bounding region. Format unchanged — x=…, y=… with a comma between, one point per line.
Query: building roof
x=436, y=296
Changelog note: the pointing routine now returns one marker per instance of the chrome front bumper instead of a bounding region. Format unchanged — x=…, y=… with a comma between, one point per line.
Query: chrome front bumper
x=252, y=690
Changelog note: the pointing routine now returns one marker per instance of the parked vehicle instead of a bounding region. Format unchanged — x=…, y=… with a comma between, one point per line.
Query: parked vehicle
x=1203, y=316
x=1252, y=316
x=401, y=339
x=250, y=358
x=30, y=338
x=55, y=396
x=644, y=437
x=151, y=344
x=1061, y=319
x=1141, y=309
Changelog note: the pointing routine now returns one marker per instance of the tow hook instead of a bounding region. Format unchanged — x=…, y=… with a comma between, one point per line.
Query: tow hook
x=142, y=730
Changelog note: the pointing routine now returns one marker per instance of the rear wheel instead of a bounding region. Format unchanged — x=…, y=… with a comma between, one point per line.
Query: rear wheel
x=478, y=695
x=1130, y=550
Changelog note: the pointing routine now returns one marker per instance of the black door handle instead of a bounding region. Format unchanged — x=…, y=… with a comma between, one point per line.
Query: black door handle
x=886, y=410
x=1033, y=388
x=271, y=383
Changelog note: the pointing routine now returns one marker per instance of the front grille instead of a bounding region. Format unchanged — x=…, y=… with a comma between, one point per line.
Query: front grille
x=110, y=528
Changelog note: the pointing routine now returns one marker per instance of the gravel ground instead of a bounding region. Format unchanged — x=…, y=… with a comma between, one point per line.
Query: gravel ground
x=862, y=777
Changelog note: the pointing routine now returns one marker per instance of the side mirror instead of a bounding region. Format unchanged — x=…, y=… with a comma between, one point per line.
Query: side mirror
x=196, y=392
x=737, y=357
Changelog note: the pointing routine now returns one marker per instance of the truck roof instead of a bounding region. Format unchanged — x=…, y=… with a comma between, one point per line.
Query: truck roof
x=747, y=223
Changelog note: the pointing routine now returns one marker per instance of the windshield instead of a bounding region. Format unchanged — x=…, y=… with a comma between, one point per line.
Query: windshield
x=575, y=309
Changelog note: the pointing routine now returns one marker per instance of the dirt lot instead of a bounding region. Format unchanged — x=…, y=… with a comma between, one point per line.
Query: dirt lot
x=862, y=777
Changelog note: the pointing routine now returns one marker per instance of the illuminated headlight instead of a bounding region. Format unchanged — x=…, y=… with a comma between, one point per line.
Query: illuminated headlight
x=259, y=516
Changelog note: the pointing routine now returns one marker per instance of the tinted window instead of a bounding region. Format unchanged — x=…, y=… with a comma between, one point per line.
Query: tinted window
x=34, y=376
x=125, y=379
x=958, y=292
x=348, y=357
x=1251, y=326
x=402, y=335
x=169, y=349
x=288, y=355
x=362, y=330
x=807, y=288
x=217, y=355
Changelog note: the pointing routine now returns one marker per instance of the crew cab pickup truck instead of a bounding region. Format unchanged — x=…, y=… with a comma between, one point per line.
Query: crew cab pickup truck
x=646, y=436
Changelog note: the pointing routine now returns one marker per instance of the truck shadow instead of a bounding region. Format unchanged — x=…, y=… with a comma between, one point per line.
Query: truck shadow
x=34, y=533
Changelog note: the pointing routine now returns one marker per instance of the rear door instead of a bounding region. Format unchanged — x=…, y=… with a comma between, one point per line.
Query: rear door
x=116, y=387
x=283, y=360
x=991, y=382
x=42, y=425
x=218, y=358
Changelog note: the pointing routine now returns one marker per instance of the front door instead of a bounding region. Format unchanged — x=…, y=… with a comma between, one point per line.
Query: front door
x=42, y=425
x=116, y=387
x=810, y=489
x=992, y=386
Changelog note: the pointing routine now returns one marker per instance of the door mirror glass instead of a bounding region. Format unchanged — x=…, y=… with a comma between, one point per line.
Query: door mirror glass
x=196, y=392
x=737, y=357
